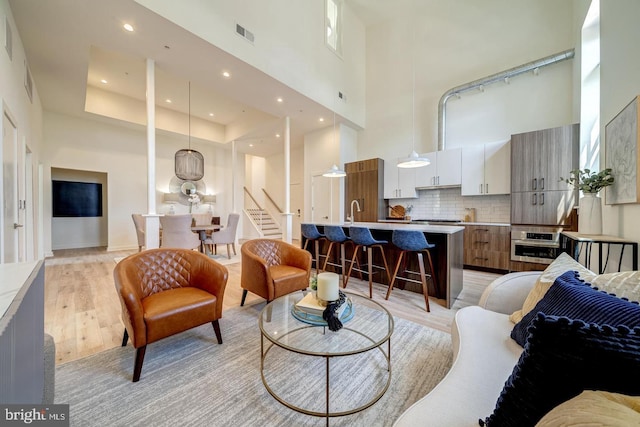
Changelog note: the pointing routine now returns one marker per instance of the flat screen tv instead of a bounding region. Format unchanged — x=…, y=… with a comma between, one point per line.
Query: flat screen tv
x=76, y=199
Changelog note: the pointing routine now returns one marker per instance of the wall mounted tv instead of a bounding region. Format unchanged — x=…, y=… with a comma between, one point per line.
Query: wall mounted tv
x=76, y=199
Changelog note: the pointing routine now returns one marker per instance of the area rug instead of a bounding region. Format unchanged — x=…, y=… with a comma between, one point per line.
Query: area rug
x=189, y=379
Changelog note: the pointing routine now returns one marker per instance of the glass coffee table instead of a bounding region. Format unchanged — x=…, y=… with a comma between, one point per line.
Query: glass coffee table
x=323, y=373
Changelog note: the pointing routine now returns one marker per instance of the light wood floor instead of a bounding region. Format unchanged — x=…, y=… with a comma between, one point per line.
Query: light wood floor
x=82, y=311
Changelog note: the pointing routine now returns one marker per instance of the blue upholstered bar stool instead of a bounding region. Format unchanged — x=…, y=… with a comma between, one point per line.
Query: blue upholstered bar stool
x=335, y=235
x=362, y=238
x=311, y=234
x=413, y=241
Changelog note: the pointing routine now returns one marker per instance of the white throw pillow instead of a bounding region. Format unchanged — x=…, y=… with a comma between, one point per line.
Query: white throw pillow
x=561, y=264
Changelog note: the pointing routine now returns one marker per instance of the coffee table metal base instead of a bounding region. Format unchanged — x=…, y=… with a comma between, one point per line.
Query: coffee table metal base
x=327, y=413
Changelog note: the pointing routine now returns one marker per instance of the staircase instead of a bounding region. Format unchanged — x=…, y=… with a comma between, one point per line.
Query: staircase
x=264, y=223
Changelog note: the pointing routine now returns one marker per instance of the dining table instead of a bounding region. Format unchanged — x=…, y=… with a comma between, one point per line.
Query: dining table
x=203, y=231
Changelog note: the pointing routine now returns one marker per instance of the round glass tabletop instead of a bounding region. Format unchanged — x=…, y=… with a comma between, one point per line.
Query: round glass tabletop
x=367, y=326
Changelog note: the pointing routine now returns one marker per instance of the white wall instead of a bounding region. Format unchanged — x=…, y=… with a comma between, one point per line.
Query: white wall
x=27, y=116
x=620, y=82
x=120, y=152
x=457, y=42
x=322, y=149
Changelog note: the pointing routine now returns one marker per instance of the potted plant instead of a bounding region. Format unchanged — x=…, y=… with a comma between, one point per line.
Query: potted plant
x=590, y=210
x=589, y=182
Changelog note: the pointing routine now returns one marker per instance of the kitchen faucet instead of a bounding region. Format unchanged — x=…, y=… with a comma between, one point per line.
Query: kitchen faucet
x=357, y=206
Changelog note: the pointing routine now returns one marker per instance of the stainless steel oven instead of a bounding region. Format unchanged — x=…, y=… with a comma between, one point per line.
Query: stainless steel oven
x=535, y=244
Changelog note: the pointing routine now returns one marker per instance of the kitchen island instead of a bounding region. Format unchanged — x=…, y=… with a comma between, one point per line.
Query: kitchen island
x=447, y=255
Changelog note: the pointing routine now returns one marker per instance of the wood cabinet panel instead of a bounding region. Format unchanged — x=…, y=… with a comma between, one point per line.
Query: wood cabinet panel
x=542, y=208
x=487, y=246
x=364, y=182
x=538, y=160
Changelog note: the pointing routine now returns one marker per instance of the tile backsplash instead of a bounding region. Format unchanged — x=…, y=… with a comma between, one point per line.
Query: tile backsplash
x=448, y=203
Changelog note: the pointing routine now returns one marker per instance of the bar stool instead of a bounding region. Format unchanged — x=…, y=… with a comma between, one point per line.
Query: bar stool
x=362, y=238
x=413, y=241
x=311, y=233
x=335, y=234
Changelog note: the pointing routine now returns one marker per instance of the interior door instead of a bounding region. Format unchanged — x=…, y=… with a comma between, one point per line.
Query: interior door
x=322, y=198
x=10, y=191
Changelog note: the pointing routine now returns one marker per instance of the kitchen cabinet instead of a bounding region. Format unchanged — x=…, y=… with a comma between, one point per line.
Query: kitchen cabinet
x=538, y=196
x=487, y=246
x=365, y=183
x=445, y=169
x=399, y=183
x=486, y=169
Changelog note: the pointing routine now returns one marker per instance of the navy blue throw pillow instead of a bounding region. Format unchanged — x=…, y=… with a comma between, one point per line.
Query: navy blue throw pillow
x=571, y=297
x=562, y=358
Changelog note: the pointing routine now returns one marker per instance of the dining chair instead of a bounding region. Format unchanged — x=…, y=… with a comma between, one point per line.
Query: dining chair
x=139, y=223
x=225, y=236
x=176, y=232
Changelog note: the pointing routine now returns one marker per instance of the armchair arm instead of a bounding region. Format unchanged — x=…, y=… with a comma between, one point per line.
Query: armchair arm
x=130, y=298
x=255, y=275
x=210, y=276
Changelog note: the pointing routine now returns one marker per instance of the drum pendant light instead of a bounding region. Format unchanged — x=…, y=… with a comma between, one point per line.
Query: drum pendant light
x=189, y=164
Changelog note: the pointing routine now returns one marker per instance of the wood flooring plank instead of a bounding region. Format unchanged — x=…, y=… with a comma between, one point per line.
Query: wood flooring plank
x=82, y=310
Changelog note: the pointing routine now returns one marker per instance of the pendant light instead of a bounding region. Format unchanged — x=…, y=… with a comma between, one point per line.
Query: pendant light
x=333, y=171
x=414, y=160
x=189, y=164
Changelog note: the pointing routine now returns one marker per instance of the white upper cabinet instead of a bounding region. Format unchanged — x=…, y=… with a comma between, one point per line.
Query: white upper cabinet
x=399, y=183
x=444, y=170
x=486, y=169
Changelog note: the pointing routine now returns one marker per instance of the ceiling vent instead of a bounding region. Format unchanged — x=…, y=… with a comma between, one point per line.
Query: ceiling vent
x=244, y=33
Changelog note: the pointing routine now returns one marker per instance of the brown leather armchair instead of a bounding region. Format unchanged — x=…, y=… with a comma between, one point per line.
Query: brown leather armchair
x=272, y=268
x=167, y=291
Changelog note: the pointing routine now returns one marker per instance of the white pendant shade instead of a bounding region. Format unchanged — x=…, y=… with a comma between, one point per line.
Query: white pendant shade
x=334, y=172
x=413, y=161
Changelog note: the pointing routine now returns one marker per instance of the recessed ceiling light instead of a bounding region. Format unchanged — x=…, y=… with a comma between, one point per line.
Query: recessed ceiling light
x=277, y=135
x=128, y=27
x=250, y=145
x=168, y=101
x=103, y=81
x=226, y=74
x=321, y=119
x=210, y=114
x=279, y=99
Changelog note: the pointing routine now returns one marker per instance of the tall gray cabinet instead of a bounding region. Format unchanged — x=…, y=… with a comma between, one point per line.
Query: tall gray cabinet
x=538, y=160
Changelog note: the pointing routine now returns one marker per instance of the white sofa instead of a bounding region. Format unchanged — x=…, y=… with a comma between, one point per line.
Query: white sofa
x=484, y=357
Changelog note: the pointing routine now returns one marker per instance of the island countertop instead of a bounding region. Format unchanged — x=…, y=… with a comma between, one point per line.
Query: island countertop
x=390, y=226
x=447, y=254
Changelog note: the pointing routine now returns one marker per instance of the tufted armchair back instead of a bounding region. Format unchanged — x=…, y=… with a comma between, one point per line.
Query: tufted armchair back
x=272, y=268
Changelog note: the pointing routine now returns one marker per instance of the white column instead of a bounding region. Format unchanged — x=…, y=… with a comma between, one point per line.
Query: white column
x=234, y=159
x=288, y=216
x=152, y=234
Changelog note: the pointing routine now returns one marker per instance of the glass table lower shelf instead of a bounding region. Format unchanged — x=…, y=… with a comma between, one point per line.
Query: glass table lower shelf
x=357, y=350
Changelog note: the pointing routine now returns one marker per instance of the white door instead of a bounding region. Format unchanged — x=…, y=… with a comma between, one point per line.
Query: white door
x=10, y=190
x=322, y=198
x=297, y=206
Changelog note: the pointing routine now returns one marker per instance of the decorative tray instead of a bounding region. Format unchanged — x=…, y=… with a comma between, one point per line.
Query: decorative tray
x=317, y=320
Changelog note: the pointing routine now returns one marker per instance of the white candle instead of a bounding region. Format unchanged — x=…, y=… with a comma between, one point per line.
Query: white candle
x=328, y=286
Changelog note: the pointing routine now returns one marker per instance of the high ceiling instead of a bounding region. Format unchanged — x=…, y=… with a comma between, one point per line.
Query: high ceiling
x=72, y=45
